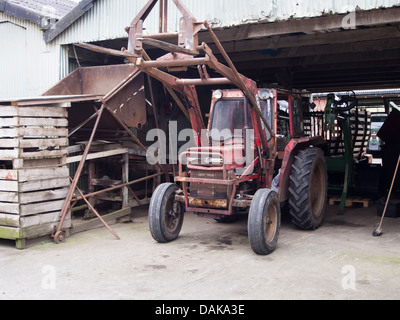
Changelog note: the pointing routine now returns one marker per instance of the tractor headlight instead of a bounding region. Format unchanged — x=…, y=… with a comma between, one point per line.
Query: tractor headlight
x=217, y=94
x=265, y=94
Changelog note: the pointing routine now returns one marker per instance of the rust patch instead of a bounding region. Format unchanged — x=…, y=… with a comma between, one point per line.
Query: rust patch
x=208, y=203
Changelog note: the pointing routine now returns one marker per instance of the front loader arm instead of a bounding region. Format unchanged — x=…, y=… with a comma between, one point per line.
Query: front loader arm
x=183, y=55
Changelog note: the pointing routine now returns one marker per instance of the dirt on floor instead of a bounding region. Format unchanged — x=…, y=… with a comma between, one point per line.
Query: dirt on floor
x=211, y=260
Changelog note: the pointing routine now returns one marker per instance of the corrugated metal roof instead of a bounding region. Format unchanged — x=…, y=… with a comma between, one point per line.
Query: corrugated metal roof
x=48, y=8
x=108, y=18
x=43, y=13
x=79, y=10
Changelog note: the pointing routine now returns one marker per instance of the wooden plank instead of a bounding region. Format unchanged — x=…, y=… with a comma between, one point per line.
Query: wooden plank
x=9, y=154
x=9, y=196
x=8, y=122
x=56, y=122
x=8, y=185
x=42, y=173
x=350, y=202
x=8, y=111
x=43, y=229
x=38, y=163
x=40, y=219
x=10, y=233
x=40, y=112
x=42, y=143
x=97, y=155
x=40, y=207
x=9, y=133
x=32, y=197
x=44, y=154
x=11, y=175
x=9, y=143
x=33, y=231
x=42, y=184
x=9, y=220
x=43, y=132
x=9, y=208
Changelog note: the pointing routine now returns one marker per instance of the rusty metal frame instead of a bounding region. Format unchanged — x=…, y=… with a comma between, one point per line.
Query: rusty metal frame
x=58, y=233
x=179, y=57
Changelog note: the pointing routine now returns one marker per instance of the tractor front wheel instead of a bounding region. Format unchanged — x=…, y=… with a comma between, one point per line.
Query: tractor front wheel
x=165, y=213
x=264, y=221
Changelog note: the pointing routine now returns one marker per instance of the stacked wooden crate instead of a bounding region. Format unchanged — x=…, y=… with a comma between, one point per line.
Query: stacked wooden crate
x=34, y=178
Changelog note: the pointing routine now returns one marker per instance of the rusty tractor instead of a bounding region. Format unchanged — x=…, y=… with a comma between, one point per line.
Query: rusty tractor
x=232, y=173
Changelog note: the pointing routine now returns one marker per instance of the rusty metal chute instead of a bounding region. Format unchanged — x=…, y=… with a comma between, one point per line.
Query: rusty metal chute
x=117, y=103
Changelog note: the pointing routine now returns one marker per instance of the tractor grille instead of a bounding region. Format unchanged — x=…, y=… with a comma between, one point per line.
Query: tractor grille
x=208, y=190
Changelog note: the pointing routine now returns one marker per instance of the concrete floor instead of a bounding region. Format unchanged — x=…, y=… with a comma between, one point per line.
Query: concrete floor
x=210, y=260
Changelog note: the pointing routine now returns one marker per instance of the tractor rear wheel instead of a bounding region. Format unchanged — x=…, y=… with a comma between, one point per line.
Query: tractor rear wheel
x=264, y=221
x=165, y=213
x=308, y=189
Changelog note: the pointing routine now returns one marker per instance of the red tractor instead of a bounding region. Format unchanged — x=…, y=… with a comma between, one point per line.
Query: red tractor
x=260, y=137
x=219, y=182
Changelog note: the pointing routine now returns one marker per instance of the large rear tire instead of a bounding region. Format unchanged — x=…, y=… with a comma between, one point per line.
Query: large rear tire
x=264, y=221
x=308, y=189
x=165, y=214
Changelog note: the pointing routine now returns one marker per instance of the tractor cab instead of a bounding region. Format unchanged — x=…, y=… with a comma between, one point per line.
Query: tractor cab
x=231, y=113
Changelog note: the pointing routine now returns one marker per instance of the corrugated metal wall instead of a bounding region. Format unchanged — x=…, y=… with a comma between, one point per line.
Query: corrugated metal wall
x=28, y=66
x=13, y=47
x=46, y=64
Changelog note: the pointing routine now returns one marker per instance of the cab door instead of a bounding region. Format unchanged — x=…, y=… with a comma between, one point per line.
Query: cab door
x=296, y=116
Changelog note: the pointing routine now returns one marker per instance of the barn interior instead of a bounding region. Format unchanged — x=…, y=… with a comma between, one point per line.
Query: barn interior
x=355, y=54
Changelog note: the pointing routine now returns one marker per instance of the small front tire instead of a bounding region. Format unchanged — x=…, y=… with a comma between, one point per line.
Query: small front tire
x=264, y=221
x=165, y=213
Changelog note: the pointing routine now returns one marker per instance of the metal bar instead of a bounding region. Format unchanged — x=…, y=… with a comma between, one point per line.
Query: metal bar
x=243, y=86
x=113, y=52
x=153, y=104
x=117, y=187
x=170, y=91
x=207, y=181
x=205, y=82
x=167, y=46
x=82, y=124
x=231, y=199
x=160, y=35
x=210, y=211
x=165, y=16
x=125, y=179
x=134, y=195
x=71, y=190
x=161, y=17
x=142, y=15
x=178, y=102
x=249, y=168
x=122, y=84
x=98, y=215
x=172, y=63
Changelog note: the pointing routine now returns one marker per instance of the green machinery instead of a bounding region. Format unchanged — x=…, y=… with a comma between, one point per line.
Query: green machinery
x=344, y=130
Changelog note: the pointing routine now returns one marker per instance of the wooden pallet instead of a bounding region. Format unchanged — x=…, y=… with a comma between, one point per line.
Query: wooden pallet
x=34, y=177
x=351, y=202
x=33, y=136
